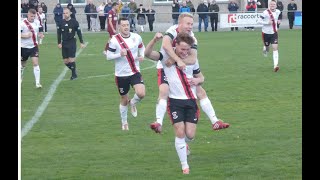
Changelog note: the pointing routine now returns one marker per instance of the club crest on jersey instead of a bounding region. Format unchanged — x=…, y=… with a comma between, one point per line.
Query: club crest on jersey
x=174, y=115
x=165, y=78
x=70, y=30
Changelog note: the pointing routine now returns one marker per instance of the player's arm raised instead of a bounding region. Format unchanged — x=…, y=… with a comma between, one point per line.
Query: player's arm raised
x=149, y=52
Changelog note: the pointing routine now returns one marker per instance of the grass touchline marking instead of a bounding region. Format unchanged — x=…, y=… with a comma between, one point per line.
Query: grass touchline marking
x=27, y=127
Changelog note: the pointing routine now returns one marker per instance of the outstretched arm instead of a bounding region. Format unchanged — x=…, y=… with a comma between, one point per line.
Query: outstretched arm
x=149, y=52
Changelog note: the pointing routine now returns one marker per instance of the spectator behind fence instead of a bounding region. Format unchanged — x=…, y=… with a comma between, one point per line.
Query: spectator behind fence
x=175, y=11
x=45, y=10
x=87, y=11
x=214, y=15
x=107, y=8
x=132, y=17
x=33, y=4
x=93, y=18
x=202, y=10
x=24, y=8
x=102, y=17
x=120, y=6
x=141, y=17
x=233, y=8
x=150, y=15
x=125, y=11
x=251, y=7
x=72, y=10
x=184, y=7
x=58, y=12
x=191, y=6
x=292, y=7
x=280, y=7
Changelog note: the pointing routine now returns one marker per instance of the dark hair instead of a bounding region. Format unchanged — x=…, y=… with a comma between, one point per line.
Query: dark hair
x=184, y=37
x=122, y=19
x=114, y=4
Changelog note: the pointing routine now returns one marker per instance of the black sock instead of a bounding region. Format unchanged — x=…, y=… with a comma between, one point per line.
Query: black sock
x=68, y=65
x=73, y=68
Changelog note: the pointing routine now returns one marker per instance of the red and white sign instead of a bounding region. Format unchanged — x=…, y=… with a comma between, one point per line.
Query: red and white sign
x=239, y=20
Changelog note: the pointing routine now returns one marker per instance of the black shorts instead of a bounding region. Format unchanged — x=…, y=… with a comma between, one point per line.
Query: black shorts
x=183, y=110
x=69, y=49
x=123, y=83
x=162, y=77
x=26, y=53
x=270, y=38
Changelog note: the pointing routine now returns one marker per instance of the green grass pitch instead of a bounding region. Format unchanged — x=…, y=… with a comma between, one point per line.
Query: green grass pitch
x=78, y=134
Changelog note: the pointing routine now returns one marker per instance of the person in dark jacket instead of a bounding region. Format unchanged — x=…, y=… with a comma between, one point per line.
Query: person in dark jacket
x=150, y=15
x=24, y=8
x=214, y=15
x=87, y=11
x=233, y=8
x=33, y=4
x=141, y=17
x=175, y=11
x=58, y=12
x=292, y=7
x=202, y=10
x=72, y=10
x=280, y=7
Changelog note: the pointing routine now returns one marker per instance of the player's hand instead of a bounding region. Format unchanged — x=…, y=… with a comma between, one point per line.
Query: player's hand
x=169, y=62
x=181, y=65
x=123, y=52
x=194, y=81
x=59, y=46
x=41, y=35
x=158, y=36
x=140, y=58
x=82, y=45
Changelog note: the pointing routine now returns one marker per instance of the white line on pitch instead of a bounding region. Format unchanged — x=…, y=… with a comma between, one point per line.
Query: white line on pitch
x=27, y=127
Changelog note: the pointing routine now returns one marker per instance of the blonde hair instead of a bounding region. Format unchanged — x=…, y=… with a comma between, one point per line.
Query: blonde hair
x=183, y=15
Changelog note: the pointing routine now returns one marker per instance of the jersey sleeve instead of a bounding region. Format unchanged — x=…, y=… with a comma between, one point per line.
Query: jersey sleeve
x=263, y=18
x=195, y=44
x=196, y=68
x=141, y=47
x=113, y=51
x=171, y=32
x=22, y=26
